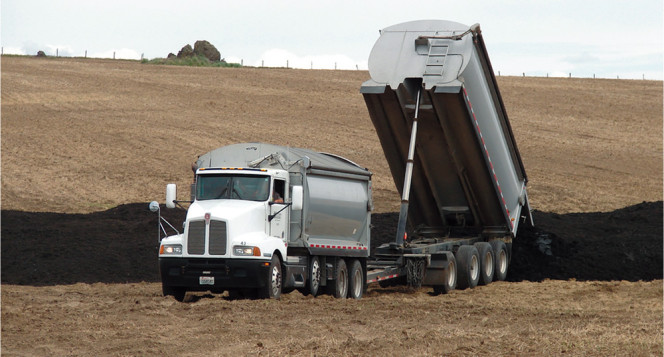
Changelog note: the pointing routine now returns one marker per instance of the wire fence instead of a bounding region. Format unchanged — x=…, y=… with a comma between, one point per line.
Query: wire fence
x=287, y=64
x=569, y=75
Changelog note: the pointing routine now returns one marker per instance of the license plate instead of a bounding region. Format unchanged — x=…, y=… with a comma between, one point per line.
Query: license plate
x=206, y=280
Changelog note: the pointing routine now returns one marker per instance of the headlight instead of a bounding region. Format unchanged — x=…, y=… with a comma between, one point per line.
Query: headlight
x=247, y=251
x=168, y=249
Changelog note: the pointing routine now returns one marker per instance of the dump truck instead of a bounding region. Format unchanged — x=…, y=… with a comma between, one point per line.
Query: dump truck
x=266, y=219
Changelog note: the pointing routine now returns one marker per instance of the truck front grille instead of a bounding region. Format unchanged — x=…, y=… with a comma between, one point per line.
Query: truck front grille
x=196, y=237
x=217, y=238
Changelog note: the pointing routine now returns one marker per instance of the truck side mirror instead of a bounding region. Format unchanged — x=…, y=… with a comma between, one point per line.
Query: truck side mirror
x=297, y=198
x=171, y=195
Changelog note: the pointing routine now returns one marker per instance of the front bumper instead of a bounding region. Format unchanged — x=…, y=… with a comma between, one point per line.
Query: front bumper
x=224, y=273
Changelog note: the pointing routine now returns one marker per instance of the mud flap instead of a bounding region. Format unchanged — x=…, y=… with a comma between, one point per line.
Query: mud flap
x=435, y=271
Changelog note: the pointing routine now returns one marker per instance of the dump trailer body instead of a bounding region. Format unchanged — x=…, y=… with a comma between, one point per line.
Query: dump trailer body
x=467, y=172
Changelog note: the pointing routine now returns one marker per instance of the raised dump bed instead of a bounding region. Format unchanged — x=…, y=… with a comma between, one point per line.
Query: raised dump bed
x=467, y=175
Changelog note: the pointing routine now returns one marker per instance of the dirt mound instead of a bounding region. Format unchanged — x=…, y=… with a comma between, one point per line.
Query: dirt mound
x=114, y=246
x=120, y=245
x=624, y=244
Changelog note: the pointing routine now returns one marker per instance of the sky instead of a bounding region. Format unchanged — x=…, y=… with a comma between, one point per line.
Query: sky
x=606, y=39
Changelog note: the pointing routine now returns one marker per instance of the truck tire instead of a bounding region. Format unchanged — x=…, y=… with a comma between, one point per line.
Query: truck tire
x=468, y=261
x=176, y=292
x=339, y=288
x=487, y=262
x=502, y=259
x=272, y=290
x=356, y=280
x=450, y=274
x=314, y=276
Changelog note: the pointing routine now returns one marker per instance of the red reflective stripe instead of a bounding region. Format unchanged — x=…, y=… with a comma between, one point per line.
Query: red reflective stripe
x=486, y=150
x=337, y=247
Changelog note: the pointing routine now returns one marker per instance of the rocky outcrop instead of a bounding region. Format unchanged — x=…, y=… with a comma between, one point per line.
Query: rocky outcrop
x=185, y=52
x=201, y=48
x=207, y=50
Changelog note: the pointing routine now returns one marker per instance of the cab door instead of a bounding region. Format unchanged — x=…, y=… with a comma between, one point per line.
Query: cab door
x=279, y=211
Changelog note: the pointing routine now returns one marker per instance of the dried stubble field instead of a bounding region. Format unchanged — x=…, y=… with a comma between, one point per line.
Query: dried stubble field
x=80, y=137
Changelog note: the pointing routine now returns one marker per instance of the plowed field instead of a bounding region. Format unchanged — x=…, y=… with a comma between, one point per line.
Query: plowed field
x=87, y=143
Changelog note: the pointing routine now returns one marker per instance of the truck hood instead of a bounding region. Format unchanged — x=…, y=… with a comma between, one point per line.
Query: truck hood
x=242, y=216
x=223, y=209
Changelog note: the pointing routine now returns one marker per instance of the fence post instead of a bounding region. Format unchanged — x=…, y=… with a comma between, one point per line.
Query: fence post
x=113, y=54
x=262, y=63
x=242, y=62
x=570, y=75
x=86, y=53
x=56, y=52
x=286, y=63
x=335, y=66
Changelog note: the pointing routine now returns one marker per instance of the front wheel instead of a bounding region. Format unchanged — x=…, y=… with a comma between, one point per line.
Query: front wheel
x=273, y=288
x=314, y=276
x=176, y=292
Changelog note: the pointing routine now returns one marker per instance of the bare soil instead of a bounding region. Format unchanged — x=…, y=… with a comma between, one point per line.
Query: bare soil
x=86, y=144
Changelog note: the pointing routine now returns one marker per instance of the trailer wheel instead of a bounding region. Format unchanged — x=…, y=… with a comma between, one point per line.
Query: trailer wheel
x=487, y=262
x=177, y=293
x=450, y=277
x=502, y=259
x=340, y=287
x=468, y=259
x=273, y=288
x=356, y=280
x=314, y=276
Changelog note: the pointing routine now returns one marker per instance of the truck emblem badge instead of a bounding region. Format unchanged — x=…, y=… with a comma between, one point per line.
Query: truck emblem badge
x=207, y=217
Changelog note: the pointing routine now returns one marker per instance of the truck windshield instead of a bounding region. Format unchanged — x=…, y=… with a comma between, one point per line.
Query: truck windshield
x=233, y=187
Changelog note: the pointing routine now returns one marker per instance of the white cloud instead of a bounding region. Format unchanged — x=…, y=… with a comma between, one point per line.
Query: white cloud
x=13, y=51
x=582, y=61
x=59, y=50
x=232, y=59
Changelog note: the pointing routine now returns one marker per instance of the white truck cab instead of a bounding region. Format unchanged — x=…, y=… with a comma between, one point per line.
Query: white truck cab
x=239, y=217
